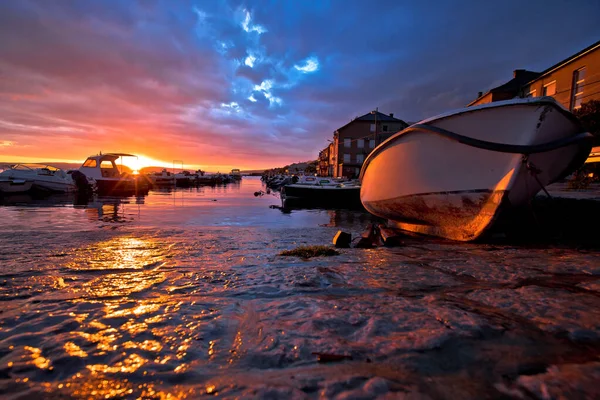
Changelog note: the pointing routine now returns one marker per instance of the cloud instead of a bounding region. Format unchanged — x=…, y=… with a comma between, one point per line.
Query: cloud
x=253, y=84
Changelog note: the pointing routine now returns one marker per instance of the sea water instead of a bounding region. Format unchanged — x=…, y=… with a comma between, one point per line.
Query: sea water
x=184, y=293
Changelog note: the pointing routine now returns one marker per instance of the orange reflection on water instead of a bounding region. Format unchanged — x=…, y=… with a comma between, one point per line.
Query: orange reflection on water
x=73, y=350
x=37, y=359
x=120, y=253
x=129, y=365
x=147, y=345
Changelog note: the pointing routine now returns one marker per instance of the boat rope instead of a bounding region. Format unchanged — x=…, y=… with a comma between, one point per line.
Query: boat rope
x=501, y=147
x=534, y=172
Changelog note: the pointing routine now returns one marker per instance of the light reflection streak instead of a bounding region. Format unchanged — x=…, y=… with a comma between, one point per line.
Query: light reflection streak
x=129, y=365
x=37, y=359
x=115, y=326
x=73, y=350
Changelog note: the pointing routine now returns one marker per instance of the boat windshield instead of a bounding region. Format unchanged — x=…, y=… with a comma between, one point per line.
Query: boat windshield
x=30, y=167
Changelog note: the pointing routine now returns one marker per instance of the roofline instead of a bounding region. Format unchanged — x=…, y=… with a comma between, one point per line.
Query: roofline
x=562, y=63
x=355, y=119
x=480, y=97
x=566, y=61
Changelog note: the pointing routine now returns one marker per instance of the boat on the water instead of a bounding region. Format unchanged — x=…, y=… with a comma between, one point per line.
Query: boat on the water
x=13, y=186
x=162, y=179
x=43, y=178
x=451, y=175
x=112, y=179
x=321, y=192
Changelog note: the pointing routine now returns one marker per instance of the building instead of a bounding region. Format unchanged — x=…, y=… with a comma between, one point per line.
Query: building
x=325, y=166
x=355, y=140
x=571, y=82
x=509, y=90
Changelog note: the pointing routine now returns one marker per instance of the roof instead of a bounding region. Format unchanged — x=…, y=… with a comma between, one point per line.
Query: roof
x=515, y=83
x=371, y=117
x=521, y=77
x=566, y=61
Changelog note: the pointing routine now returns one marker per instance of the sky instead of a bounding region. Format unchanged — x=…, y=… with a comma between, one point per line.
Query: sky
x=254, y=84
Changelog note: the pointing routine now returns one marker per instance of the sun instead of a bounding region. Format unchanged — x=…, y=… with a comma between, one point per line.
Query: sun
x=138, y=162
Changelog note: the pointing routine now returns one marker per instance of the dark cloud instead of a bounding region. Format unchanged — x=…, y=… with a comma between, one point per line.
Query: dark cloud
x=168, y=78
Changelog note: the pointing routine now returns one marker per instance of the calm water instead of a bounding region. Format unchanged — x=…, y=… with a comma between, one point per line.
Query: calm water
x=183, y=294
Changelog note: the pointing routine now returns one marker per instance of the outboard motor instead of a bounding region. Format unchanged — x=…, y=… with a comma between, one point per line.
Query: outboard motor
x=82, y=182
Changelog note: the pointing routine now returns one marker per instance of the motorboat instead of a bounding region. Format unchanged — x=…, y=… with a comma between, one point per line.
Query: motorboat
x=185, y=179
x=236, y=174
x=43, y=177
x=451, y=175
x=162, y=179
x=324, y=192
x=13, y=186
x=112, y=178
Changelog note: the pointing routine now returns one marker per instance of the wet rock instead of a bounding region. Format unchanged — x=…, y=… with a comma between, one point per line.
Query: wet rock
x=390, y=237
x=342, y=239
x=369, y=238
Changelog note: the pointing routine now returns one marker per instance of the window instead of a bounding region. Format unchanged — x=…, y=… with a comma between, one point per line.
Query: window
x=549, y=89
x=347, y=143
x=372, y=127
x=372, y=143
x=577, y=92
x=346, y=158
x=384, y=128
x=360, y=158
x=360, y=143
x=531, y=93
x=90, y=163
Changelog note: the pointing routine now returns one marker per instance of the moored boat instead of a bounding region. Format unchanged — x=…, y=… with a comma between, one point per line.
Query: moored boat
x=43, y=177
x=451, y=175
x=12, y=186
x=162, y=179
x=110, y=180
x=325, y=193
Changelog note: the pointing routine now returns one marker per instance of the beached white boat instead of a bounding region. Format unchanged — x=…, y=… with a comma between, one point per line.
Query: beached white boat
x=109, y=179
x=43, y=177
x=452, y=174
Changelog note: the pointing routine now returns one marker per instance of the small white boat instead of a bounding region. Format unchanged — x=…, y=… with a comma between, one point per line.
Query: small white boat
x=43, y=177
x=109, y=179
x=12, y=186
x=163, y=178
x=451, y=175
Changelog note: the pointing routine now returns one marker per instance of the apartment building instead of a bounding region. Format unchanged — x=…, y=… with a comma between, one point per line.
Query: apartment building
x=354, y=141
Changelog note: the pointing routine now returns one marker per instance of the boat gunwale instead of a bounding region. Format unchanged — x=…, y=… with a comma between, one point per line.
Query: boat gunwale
x=422, y=127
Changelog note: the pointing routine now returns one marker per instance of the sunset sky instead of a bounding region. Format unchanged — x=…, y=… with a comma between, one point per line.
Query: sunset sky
x=254, y=84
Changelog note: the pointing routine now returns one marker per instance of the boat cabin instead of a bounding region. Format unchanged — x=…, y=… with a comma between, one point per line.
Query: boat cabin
x=103, y=165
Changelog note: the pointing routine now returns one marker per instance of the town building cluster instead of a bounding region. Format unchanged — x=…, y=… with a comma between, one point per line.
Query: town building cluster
x=572, y=82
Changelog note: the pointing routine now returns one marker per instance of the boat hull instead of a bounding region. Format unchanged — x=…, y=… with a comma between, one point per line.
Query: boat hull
x=15, y=186
x=116, y=187
x=63, y=186
x=326, y=196
x=429, y=183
